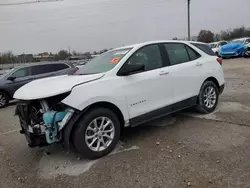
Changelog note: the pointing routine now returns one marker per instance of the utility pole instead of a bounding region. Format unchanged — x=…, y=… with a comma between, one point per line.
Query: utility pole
x=188, y=19
x=69, y=51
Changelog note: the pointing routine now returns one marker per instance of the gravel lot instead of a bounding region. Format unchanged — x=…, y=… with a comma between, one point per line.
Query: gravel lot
x=182, y=150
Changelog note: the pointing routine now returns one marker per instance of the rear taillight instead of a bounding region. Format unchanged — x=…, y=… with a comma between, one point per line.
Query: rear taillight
x=219, y=60
x=76, y=70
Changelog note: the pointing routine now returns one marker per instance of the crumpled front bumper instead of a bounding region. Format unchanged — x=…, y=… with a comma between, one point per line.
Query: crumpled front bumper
x=43, y=133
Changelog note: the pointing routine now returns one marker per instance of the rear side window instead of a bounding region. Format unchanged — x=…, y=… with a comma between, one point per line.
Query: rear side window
x=180, y=53
x=177, y=53
x=58, y=67
x=205, y=48
x=192, y=54
x=43, y=69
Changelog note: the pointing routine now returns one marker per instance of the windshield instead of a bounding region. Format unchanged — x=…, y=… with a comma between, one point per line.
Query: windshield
x=4, y=73
x=104, y=62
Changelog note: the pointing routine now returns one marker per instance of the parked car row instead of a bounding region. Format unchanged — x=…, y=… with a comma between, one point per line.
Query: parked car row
x=235, y=48
x=123, y=87
x=215, y=46
x=15, y=78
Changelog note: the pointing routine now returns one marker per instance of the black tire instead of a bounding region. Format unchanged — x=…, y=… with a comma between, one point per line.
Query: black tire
x=4, y=99
x=78, y=137
x=201, y=106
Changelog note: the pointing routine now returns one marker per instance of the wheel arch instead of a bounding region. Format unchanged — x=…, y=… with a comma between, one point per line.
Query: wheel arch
x=214, y=80
x=6, y=92
x=68, y=130
x=108, y=105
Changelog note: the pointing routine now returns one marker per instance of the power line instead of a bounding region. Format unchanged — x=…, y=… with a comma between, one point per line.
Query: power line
x=29, y=2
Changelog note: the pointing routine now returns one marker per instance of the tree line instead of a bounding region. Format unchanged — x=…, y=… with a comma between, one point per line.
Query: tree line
x=9, y=58
x=208, y=36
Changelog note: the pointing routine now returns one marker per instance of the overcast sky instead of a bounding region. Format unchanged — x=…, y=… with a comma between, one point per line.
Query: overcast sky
x=87, y=25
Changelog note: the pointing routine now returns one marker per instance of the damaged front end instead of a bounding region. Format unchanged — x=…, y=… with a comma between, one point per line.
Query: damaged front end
x=42, y=121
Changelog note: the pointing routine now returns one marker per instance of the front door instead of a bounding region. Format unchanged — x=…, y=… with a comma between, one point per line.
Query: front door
x=146, y=91
x=19, y=78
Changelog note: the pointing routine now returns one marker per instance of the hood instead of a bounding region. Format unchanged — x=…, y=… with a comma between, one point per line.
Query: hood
x=52, y=86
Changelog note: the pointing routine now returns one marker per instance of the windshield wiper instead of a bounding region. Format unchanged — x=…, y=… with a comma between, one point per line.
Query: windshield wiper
x=84, y=74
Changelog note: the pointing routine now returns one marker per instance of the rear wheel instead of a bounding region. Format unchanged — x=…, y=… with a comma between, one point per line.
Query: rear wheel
x=208, y=97
x=4, y=99
x=97, y=133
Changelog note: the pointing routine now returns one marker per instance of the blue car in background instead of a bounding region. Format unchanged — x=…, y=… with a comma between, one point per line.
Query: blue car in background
x=236, y=48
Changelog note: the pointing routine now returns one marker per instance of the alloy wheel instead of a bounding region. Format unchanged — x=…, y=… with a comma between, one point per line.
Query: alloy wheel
x=210, y=97
x=3, y=100
x=99, y=134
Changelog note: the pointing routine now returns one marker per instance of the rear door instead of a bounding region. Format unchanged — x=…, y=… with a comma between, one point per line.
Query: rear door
x=41, y=71
x=184, y=69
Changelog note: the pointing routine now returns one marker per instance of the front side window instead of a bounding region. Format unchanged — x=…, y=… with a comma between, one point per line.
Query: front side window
x=177, y=53
x=104, y=62
x=21, y=73
x=149, y=56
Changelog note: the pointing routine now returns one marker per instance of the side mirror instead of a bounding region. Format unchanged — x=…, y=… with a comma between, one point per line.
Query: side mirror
x=11, y=78
x=129, y=69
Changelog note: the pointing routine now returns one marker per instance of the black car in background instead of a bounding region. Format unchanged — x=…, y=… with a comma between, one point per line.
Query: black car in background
x=15, y=78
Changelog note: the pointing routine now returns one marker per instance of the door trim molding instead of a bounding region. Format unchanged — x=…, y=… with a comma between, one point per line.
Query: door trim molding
x=155, y=114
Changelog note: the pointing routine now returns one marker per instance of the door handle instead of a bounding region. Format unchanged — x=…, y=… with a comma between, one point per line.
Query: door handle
x=198, y=64
x=164, y=73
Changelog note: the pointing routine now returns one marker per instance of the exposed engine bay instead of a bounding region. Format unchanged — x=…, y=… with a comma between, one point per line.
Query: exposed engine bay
x=42, y=120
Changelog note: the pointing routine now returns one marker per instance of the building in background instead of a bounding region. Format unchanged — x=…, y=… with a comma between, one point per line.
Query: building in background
x=43, y=57
x=25, y=58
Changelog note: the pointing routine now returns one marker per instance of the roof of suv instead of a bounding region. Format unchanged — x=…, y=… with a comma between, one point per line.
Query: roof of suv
x=153, y=42
x=44, y=63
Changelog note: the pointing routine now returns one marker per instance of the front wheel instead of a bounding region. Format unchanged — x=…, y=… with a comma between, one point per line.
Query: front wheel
x=4, y=99
x=208, y=97
x=97, y=133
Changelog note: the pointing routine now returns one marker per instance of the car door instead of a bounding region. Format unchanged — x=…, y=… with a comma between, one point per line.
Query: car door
x=146, y=91
x=184, y=69
x=18, y=78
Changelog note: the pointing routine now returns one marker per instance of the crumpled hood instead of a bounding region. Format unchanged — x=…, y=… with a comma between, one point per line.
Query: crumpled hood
x=52, y=86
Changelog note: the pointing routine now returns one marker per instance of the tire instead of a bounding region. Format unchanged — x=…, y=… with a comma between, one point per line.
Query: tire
x=4, y=99
x=208, y=107
x=86, y=127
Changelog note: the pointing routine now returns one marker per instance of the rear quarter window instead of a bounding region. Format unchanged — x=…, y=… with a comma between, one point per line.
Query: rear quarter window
x=205, y=48
x=58, y=67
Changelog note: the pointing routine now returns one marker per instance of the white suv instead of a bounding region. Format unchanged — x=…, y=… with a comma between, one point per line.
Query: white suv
x=123, y=87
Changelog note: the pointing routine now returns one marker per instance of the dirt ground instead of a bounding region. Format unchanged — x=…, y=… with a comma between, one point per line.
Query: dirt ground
x=182, y=150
